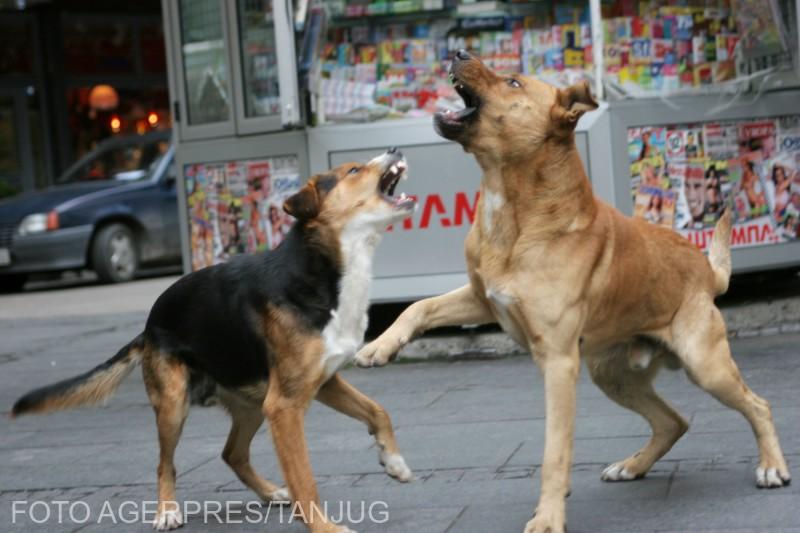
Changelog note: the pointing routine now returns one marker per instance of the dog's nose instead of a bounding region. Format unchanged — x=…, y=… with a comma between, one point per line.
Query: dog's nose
x=463, y=55
x=392, y=150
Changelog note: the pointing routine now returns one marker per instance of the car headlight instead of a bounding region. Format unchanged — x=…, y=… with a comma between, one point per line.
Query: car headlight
x=38, y=223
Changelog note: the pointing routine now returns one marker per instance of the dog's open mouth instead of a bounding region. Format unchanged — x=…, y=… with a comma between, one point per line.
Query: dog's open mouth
x=450, y=123
x=388, y=183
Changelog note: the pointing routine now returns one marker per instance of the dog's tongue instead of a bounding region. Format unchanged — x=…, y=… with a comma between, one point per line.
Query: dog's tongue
x=456, y=116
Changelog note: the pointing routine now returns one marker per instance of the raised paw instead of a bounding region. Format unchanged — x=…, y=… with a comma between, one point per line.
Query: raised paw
x=168, y=519
x=396, y=466
x=378, y=352
x=772, y=478
x=619, y=472
x=280, y=496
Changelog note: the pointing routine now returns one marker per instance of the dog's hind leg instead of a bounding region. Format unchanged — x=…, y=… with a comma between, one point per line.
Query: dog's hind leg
x=236, y=454
x=700, y=341
x=167, y=381
x=632, y=388
x=342, y=396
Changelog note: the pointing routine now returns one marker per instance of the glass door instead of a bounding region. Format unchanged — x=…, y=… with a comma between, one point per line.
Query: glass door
x=205, y=108
x=264, y=64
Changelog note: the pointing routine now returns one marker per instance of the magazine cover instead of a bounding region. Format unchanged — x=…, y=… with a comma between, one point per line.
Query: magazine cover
x=721, y=141
x=649, y=172
x=677, y=178
x=717, y=189
x=758, y=136
x=655, y=205
x=693, y=190
x=684, y=143
x=644, y=143
x=783, y=192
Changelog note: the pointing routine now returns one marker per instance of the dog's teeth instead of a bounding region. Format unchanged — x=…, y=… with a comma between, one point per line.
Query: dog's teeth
x=393, y=169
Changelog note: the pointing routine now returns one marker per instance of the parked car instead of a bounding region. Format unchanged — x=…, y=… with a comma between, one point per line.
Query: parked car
x=113, y=211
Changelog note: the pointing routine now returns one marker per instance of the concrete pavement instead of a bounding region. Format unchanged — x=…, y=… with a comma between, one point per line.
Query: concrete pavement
x=471, y=430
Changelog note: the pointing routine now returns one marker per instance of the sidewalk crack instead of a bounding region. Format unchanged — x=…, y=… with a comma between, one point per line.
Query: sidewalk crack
x=458, y=516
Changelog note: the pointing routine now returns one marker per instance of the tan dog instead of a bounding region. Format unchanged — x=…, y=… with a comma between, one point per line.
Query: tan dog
x=564, y=273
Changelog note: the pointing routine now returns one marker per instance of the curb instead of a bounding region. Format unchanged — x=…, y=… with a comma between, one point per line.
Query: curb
x=757, y=319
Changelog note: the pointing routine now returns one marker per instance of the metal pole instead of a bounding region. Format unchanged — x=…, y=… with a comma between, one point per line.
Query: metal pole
x=597, y=46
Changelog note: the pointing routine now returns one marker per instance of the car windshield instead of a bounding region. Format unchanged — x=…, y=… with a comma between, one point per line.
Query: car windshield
x=120, y=162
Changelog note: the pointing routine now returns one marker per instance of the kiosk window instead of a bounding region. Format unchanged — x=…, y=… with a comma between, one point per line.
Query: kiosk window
x=259, y=59
x=206, y=71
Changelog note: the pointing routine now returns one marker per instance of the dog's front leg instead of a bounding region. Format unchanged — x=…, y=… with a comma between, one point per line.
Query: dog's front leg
x=286, y=414
x=457, y=307
x=560, y=367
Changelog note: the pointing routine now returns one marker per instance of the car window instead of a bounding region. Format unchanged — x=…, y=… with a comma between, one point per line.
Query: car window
x=126, y=162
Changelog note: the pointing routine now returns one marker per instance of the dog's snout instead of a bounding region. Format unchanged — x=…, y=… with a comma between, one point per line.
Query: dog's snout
x=392, y=150
x=463, y=55
x=395, y=153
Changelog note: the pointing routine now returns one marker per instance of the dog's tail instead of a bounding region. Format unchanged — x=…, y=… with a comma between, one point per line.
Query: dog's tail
x=89, y=388
x=719, y=253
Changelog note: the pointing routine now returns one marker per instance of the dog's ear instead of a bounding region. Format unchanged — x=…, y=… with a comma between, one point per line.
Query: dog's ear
x=304, y=204
x=573, y=102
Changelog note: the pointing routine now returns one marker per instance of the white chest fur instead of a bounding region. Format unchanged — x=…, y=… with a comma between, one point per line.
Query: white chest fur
x=492, y=202
x=502, y=303
x=345, y=332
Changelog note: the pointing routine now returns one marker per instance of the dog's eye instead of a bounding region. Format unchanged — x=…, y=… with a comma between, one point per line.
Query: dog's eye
x=353, y=170
x=513, y=83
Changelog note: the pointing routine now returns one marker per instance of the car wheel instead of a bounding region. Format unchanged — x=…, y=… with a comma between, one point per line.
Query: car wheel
x=115, y=254
x=12, y=283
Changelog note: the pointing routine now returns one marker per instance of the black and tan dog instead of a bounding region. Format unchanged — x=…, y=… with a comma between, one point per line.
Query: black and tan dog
x=270, y=332
x=565, y=274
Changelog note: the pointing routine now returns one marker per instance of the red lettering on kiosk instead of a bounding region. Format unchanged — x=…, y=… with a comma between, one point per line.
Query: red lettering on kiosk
x=463, y=207
x=738, y=235
x=463, y=211
x=434, y=201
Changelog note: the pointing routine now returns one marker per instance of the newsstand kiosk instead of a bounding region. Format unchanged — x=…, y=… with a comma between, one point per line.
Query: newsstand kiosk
x=698, y=112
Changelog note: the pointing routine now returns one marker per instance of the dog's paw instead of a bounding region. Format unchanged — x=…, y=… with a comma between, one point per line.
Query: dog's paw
x=281, y=496
x=396, y=466
x=377, y=353
x=772, y=478
x=619, y=472
x=168, y=519
x=544, y=522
